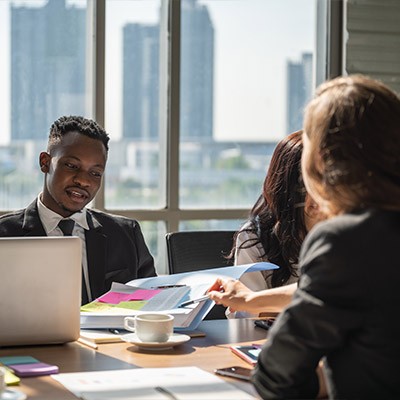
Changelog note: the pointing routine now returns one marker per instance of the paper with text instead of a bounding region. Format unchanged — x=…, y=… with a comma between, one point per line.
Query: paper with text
x=183, y=383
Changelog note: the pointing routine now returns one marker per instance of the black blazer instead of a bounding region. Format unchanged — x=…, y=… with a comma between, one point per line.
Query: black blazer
x=115, y=247
x=345, y=311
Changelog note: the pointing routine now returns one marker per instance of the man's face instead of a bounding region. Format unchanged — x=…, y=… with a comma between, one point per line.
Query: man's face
x=74, y=171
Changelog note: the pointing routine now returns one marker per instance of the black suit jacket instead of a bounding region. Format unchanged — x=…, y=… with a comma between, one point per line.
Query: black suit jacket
x=345, y=310
x=115, y=247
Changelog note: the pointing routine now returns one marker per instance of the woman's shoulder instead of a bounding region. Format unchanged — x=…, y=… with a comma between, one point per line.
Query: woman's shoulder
x=248, y=246
x=353, y=240
x=357, y=223
x=245, y=233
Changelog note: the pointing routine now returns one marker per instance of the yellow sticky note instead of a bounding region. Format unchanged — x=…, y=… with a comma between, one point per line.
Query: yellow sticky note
x=96, y=306
x=9, y=378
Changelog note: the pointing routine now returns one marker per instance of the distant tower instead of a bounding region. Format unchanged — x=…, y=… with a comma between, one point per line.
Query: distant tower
x=47, y=67
x=299, y=89
x=141, y=76
x=140, y=81
x=197, y=72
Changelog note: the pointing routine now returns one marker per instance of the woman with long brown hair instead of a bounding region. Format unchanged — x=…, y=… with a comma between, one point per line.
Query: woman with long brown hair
x=345, y=308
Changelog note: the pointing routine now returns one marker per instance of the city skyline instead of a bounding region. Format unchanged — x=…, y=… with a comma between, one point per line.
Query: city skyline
x=141, y=77
x=254, y=106
x=47, y=77
x=247, y=125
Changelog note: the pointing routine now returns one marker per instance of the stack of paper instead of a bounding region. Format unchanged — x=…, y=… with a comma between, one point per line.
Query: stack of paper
x=161, y=294
x=98, y=336
x=183, y=383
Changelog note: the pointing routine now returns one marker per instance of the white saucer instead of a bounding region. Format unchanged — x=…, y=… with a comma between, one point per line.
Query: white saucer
x=174, y=340
x=10, y=394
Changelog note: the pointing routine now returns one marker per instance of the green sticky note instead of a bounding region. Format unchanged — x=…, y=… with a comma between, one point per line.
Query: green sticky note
x=132, y=305
x=13, y=360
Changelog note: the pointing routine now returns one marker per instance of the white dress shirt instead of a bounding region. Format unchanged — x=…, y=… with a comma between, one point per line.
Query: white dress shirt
x=255, y=281
x=50, y=221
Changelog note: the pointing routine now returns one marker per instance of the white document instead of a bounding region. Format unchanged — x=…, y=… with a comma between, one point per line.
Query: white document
x=186, y=318
x=181, y=383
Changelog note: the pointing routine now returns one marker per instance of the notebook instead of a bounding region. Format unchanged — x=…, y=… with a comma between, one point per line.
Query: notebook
x=40, y=290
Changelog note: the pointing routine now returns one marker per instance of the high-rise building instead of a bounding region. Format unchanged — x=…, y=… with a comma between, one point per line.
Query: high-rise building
x=299, y=89
x=197, y=72
x=140, y=81
x=141, y=76
x=47, y=66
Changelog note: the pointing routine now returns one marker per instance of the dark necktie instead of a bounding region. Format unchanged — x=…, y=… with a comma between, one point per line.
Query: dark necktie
x=67, y=226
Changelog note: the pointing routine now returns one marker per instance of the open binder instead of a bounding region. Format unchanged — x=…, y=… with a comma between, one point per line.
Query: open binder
x=172, y=290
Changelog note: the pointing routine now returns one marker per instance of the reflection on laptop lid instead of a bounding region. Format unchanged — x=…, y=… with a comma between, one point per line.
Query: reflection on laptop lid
x=40, y=290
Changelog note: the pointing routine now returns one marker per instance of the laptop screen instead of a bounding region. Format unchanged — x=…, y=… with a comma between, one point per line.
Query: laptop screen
x=40, y=290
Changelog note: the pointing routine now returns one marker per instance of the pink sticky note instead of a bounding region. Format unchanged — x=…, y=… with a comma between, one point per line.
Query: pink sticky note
x=143, y=294
x=117, y=297
x=114, y=297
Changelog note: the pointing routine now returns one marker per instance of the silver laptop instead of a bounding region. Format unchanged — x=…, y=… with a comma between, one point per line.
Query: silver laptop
x=40, y=290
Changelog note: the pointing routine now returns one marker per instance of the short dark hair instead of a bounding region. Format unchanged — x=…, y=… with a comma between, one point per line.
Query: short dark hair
x=73, y=123
x=353, y=125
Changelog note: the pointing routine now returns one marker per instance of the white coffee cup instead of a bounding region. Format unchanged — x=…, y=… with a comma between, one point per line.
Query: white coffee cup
x=151, y=327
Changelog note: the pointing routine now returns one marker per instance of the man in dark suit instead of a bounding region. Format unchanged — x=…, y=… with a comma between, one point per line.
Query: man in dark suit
x=114, y=249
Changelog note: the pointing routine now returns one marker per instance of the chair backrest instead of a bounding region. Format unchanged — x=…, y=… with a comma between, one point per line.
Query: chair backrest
x=196, y=250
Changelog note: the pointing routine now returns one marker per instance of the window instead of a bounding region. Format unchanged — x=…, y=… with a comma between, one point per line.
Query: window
x=42, y=76
x=246, y=73
x=134, y=177
x=195, y=95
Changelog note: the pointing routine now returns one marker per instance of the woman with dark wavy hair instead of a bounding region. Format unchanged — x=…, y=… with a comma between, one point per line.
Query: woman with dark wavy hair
x=274, y=232
x=276, y=226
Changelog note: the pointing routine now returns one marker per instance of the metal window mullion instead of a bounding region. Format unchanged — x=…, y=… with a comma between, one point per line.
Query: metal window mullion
x=336, y=23
x=173, y=114
x=96, y=21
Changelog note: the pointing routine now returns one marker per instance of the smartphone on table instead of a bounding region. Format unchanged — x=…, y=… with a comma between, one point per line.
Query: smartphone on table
x=235, y=372
x=264, y=323
x=247, y=353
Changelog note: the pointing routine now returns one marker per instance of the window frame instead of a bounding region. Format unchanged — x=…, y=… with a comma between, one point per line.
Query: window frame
x=330, y=64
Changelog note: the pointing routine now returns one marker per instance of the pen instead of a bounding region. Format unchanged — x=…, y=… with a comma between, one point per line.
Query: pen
x=198, y=300
x=167, y=286
x=166, y=392
x=87, y=343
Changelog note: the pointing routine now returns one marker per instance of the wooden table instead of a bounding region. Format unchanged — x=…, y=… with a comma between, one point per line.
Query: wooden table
x=208, y=353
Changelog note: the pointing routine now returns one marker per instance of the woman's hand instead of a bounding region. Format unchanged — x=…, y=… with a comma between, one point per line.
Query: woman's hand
x=231, y=293
x=238, y=297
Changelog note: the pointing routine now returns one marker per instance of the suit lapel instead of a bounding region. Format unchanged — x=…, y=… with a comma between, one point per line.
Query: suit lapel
x=96, y=245
x=32, y=225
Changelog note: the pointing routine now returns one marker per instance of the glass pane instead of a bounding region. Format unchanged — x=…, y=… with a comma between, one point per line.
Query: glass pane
x=154, y=235
x=210, y=225
x=133, y=178
x=246, y=73
x=42, y=77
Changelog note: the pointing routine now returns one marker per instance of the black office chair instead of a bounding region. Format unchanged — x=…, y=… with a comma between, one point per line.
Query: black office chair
x=197, y=250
